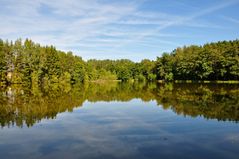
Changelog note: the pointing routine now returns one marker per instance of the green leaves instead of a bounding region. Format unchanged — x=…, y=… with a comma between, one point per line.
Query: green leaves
x=215, y=61
x=27, y=62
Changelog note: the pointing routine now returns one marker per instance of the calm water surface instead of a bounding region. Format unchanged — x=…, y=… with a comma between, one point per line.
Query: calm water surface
x=120, y=120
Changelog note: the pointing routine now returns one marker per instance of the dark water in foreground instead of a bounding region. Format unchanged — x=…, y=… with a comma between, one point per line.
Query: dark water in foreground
x=121, y=120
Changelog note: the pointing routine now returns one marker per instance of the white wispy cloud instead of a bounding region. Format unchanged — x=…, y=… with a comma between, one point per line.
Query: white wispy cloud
x=233, y=20
x=90, y=24
x=182, y=20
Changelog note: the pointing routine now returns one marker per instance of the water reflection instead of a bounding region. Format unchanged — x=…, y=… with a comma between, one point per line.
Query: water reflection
x=21, y=106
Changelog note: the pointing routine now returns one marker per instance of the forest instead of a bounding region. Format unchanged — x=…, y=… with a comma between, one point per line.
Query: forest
x=26, y=62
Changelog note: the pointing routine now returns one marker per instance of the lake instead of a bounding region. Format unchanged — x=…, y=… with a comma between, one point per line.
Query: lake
x=120, y=121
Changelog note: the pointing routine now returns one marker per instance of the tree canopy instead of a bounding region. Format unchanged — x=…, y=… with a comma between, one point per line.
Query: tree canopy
x=30, y=63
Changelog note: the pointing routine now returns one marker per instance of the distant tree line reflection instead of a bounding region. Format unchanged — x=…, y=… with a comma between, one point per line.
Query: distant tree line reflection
x=26, y=106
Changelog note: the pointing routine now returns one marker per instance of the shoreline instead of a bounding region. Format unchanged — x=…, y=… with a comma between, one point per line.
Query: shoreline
x=200, y=81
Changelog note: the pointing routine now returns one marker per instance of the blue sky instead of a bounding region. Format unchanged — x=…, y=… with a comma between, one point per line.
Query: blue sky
x=114, y=29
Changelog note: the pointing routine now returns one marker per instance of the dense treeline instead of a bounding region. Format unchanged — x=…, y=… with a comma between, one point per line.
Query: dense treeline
x=21, y=106
x=214, y=61
x=31, y=63
x=27, y=62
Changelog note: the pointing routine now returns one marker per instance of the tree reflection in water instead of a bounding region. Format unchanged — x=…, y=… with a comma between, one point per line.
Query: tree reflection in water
x=22, y=106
